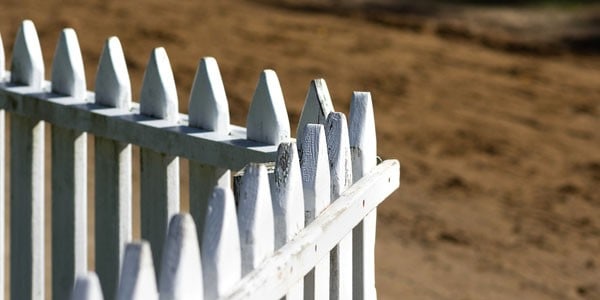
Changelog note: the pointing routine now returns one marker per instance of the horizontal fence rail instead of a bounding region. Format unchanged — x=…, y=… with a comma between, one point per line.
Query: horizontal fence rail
x=300, y=225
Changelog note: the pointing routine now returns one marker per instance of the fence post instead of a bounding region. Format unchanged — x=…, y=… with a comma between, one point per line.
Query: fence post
x=2, y=177
x=112, y=170
x=138, y=280
x=267, y=120
x=159, y=171
x=255, y=217
x=317, y=105
x=288, y=203
x=27, y=175
x=208, y=109
x=221, y=256
x=338, y=149
x=87, y=287
x=316, y=188
x=363, y=146
x=181, y=275
x=69, y=173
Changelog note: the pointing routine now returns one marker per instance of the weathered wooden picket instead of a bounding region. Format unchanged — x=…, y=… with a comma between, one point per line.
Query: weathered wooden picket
x=303, y=229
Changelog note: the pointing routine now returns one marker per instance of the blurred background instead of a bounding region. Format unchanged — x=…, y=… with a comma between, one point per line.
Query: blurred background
x=492, y=107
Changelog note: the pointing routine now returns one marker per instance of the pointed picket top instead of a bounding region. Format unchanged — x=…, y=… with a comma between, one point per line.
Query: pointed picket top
x=317, y=105
x=181, y=270
x=113, y=86
x=68, y=74
x=267, y=120
x=137, y=279
x=27, y=62
x=2, y=60
x=87, y=287
x=363, y=139
x=338, y=149
x=221, y=256
x=255, y=217
x=158, y=97
x=208, y=108
x=314, y=164
x=287, y=194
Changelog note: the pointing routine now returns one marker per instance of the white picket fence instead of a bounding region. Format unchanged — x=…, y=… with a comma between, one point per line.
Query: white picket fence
x=302, y=228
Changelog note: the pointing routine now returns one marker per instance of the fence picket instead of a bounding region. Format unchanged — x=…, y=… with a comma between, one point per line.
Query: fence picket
x=181, y=275
x=338, y=149
x=137, y=280
x=69, y=173
x=317, y=105
x=209, y=110
x=27, y=175
x=363, y=147
x=316, y=188
x=255, y=217
x=288, y=203
x=267, y=120
x=221, y=256
x=2, y=176
x=27, y=62
x=87, y=287
x=159, y=171
x=2, y=60
x=113, y=171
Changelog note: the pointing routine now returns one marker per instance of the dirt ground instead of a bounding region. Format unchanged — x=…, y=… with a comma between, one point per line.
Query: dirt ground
x=500, y=148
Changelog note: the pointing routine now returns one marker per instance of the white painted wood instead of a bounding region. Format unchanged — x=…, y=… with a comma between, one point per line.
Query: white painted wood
x=203, y=179
x=2, y=60
x=68, y=74
x=69, y=173
x=316, y=240
x=2, y=200
x=288, y=203
x=221, y=254
x=128, y=126
x=181, y=275
x=87, y=287
x=159, y=171
x=113, y=187
x=137, y=281
x=314, y=165
x=27, y=61
x=113, y=87
x=267, y=120
x=158, y=97
x=26, y=208
x=338, y=149
x=363, y=147
x=255, y=217
x=317, y=105
x=208, y=106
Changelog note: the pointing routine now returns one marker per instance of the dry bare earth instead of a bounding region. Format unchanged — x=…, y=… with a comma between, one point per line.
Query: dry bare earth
x=500, y=152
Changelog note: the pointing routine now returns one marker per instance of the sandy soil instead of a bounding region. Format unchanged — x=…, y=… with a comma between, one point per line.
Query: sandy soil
x=500, y=150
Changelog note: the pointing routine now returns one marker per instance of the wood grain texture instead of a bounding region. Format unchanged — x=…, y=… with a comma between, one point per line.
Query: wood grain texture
x=288, y=203
x=363, y=147
x=255, y=217
x=221, y=254
x=316, y=187
x=338, y=149
x=267, y=120
x=181, y=271
x=273, y=279
x=317, y=105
